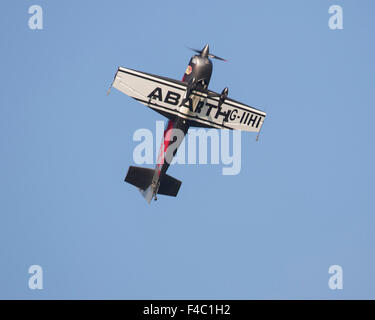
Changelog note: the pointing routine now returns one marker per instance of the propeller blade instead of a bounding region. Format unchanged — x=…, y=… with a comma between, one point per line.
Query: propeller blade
x=216, y=57
x=195, y=50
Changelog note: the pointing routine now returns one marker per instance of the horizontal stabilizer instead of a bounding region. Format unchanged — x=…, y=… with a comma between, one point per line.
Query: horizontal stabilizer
x=140, y=177
x=169, y=186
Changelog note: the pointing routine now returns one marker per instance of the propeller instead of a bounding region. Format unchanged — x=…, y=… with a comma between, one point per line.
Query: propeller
x=205, y=52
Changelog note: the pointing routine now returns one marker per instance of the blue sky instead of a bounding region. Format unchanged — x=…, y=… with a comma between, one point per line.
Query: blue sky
x=302, y=202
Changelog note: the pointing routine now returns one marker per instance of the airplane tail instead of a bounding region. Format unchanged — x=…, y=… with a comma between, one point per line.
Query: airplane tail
x=142, y=179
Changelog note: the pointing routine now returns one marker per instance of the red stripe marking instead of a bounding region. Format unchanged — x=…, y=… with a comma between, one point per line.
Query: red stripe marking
x=165, y=144
x=166, y=141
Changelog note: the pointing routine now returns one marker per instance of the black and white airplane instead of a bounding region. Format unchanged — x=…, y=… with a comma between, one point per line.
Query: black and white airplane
x=185, y=103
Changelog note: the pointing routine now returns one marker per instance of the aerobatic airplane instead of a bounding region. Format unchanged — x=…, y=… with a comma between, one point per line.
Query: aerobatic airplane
x=185, y=103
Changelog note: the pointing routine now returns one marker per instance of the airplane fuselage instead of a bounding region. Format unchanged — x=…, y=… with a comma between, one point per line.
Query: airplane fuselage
x=197, y=76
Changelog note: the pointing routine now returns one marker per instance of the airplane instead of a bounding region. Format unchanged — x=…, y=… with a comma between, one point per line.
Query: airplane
x=184, y=103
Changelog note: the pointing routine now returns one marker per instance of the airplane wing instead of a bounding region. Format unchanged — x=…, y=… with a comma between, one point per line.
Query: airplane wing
x=165, y=95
